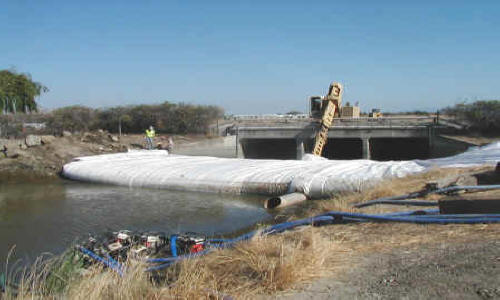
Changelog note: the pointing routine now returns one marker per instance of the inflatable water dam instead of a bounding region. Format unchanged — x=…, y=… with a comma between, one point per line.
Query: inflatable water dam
x=315, y=177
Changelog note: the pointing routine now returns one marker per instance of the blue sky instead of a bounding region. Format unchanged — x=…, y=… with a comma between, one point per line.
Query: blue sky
x=255, y=56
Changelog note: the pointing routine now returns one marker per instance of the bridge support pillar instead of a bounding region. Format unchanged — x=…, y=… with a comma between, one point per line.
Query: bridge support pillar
x=365, y=144
x=431, y=134
x=300, y=149
x=239, y=150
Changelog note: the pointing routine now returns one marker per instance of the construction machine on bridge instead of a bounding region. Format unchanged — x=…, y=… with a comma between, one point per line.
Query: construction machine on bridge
x=326, y=108
x=375, y=113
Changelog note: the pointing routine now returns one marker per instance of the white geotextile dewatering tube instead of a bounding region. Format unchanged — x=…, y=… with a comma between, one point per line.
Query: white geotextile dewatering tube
x=314, y=177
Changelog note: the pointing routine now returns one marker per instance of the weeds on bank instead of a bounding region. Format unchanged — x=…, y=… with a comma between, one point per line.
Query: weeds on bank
x=48, y=275
x=263, y=265
x=391, y=187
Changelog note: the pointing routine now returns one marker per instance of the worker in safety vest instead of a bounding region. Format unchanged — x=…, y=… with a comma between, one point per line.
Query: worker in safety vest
x=150, y=134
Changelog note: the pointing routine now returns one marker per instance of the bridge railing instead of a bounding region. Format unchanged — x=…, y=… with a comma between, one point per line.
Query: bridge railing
x=385, y=121
x=341, y=122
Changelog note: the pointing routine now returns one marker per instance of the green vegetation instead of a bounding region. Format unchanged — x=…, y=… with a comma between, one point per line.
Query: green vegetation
x=18, y=92
x=166, y=117
x=18, y=95
x=483, y=116
x=413, y=112
x=46, y=276
x=294, y=112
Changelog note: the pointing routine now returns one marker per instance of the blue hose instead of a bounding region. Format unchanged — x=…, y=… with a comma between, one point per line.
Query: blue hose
x=114, y=265
x=423, y=219
x=171, y=260
x=429, y=216
x=173, y=245
x=229, y=242
x=112, y=261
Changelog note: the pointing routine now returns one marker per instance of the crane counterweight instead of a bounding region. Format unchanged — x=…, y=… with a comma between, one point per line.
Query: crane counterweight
x=330, y=106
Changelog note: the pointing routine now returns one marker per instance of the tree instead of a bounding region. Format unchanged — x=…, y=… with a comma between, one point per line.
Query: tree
x=18, y=92
x=72, y=118
x=483, y=116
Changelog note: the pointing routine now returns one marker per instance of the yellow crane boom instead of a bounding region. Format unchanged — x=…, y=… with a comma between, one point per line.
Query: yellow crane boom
x=332, y=107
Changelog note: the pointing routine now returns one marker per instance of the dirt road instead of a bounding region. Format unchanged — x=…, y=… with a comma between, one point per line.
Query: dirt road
x=467, y=270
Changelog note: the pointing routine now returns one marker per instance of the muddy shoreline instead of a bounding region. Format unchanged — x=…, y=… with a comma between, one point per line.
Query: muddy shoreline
x=43, y=162
x=370, y=260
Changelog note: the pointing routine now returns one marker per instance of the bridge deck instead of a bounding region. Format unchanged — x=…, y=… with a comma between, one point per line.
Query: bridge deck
x=292, y=134
x=341, y=128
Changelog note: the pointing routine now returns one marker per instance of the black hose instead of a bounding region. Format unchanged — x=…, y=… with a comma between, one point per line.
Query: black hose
x=445, y=190
x=398, y=202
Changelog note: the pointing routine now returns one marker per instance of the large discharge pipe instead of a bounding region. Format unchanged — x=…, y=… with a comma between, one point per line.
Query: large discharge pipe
x=285, y=200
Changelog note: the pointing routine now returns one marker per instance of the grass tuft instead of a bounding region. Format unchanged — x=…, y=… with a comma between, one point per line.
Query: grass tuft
x=263, y=265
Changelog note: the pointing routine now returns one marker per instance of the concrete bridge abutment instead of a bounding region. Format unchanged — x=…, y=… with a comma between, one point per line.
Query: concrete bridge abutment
x=365, y=148
x=344, y=142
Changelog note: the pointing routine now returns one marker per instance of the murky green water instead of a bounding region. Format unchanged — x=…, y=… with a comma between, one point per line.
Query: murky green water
x=39, y=218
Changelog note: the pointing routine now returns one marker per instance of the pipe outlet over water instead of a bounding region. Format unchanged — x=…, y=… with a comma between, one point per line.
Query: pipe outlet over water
x=285, y=200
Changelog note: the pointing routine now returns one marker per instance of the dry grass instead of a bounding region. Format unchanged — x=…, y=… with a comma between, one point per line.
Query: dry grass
x=268, y=265
x=391, y=187
x=272, y=264
x=263, y=265
x=106, y=284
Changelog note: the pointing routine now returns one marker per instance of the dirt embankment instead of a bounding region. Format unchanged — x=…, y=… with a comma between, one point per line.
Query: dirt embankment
x=345, y=261
x=40, y=158
x=478, y=140
x=410, y=261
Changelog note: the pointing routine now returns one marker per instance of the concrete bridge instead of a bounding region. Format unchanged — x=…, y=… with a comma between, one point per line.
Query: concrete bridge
x=349, y=138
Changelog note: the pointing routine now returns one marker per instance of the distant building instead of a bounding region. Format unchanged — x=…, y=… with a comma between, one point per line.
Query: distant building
x=350, y=111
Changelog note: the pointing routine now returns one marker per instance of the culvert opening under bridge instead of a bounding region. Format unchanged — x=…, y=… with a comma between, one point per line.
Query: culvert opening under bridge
x=381, y=149
x=399, y=148
x=270, y=148
x=339, y=148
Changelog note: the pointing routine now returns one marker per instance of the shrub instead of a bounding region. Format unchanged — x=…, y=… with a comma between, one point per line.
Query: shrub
x=483, y=116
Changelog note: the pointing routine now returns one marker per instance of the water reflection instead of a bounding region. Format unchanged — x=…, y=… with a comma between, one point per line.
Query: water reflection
x=49, y=217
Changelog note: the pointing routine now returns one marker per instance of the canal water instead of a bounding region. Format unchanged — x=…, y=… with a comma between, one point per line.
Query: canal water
x=38, y=218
